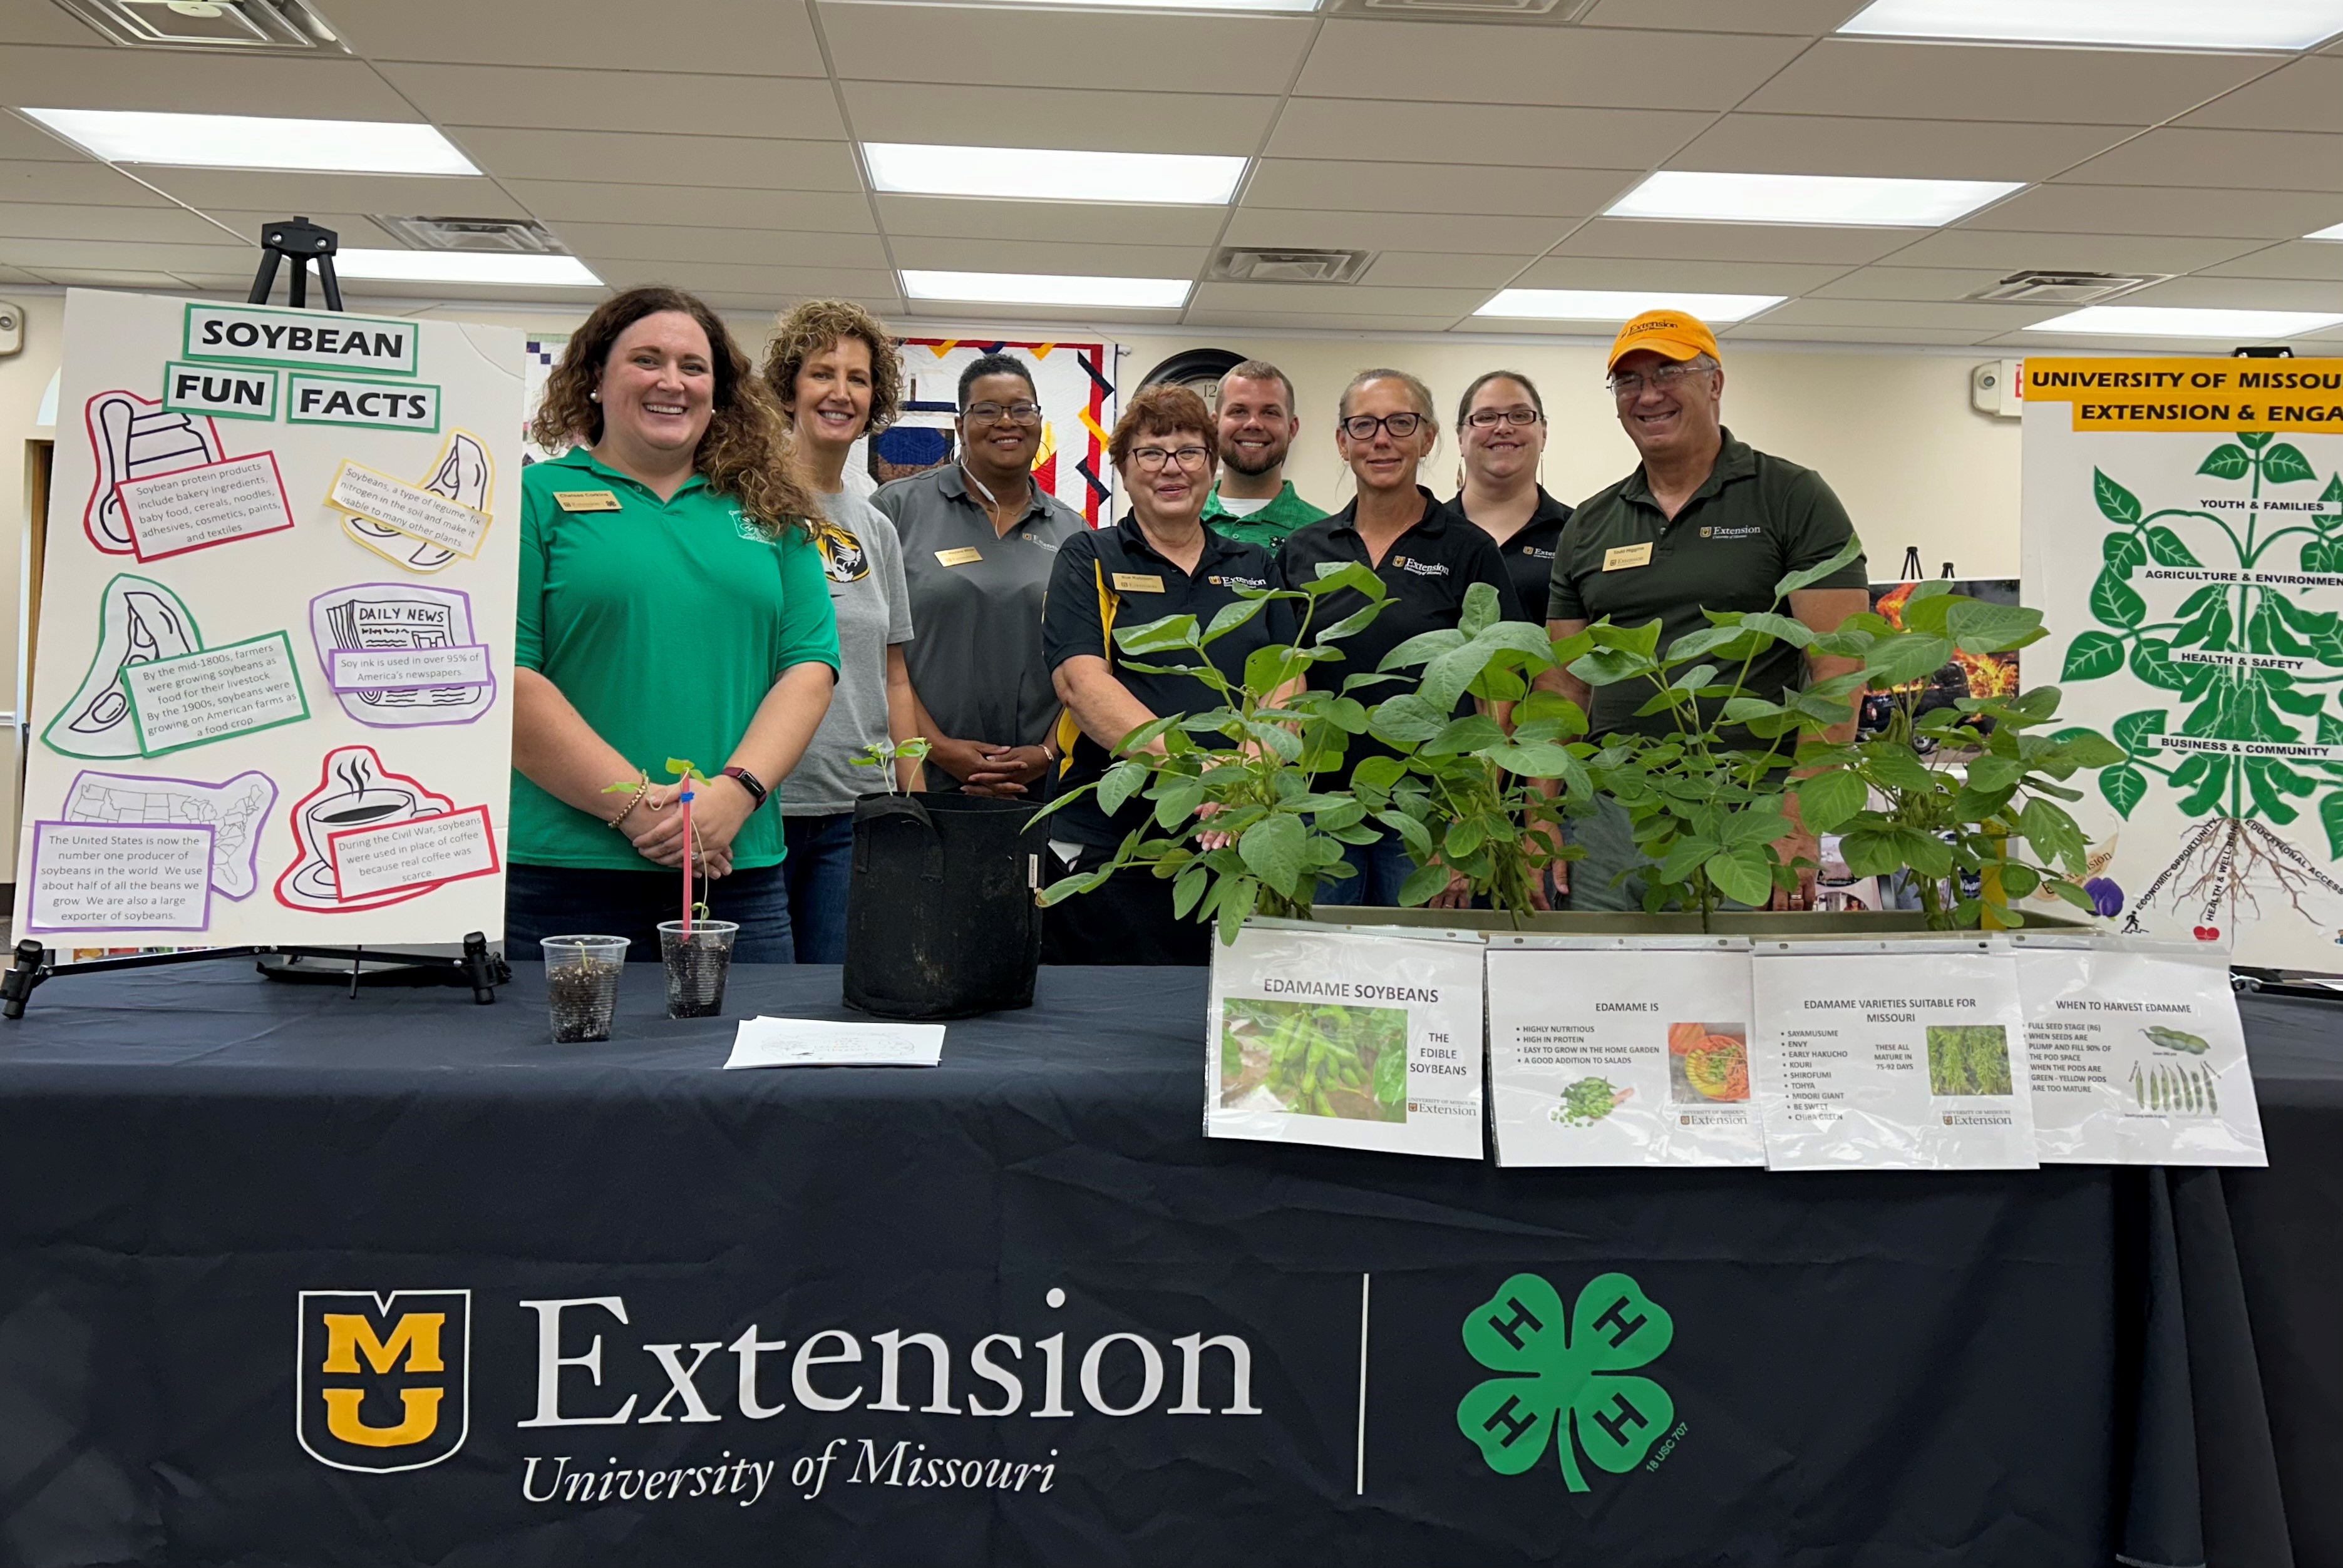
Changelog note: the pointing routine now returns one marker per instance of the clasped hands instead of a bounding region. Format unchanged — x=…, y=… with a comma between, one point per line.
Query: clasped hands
x=719, y=810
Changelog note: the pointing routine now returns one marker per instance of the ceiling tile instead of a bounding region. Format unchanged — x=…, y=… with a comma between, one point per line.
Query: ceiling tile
x=83, y=180
x=1468, y=63
x=157, y=224
x=770, y=37
x=2305, y=96
x=2315, y=259
x=954, y=318
x=1349, y=186
x=1913, y=149
x=1411, y=132
x=663, y=243
x=1757, y=333
x=2251, y=160
x=2164, y=209
x=289, y=192
x=1345, y=298
x=1076, y=222
x=359, y=231
x=633, y=157
x=587, y=100
x=1262, y=321
x=1956, y=82
x=575, y=201
x=1811, y=17
x=1395, y=231
x=2098, y=344
x=2009, y=252
x=103, y=77
x=764, y=308
x=11, y=275
x=2243, y=294
x=1057, y=118
x=1637, y=237
x=1791, y=277
x=1050, y=256
x=43, y=24
x=46, y=256
x=1915, y=283
x=1147, y=52
x=115, y=277
x=1979, y=319
x=23, y=140
x=736, y=277
x=1444, y=269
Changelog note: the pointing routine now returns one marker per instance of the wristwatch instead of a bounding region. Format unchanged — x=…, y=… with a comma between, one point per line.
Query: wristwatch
x=750, y=782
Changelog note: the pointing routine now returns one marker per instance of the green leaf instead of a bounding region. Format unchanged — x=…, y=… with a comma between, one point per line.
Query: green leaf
x=1786, y=628
x=1413, y=833
x=1157, y=636
x=2115, y=602
x=1871, y=852
x=2330, y=816
x=2118, y=504
x=1356, y=576
x=1895, y=766
x=1978, y=628
x=2124, y=788
x=2285, y=465
x=1232, y=616
x=1272, y=848
x=2255, y=440
x=1743, y=875
x=1906, y=658
x=2228, y=461
x=2166, y=547
x=1406, y=719
x=2151, y=660
x=2091, y=655
x=2135, y=732
x=2123, y=550
x=1120, y=784
x=2087, y=748
x=1378, y=773
x=1467, y=734
x=1684, y=858
x=1828, y=799
x=1176, y=801
x=1847, y=555
x=1481, y=610
x=1267, y=668
x=1188, y=888
x=1422, y=885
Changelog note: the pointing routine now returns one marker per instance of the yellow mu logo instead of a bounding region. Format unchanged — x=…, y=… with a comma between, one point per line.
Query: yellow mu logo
x=384, y=1379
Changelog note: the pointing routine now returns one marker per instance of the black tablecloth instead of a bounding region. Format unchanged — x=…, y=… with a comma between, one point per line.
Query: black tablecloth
x=277, y=1270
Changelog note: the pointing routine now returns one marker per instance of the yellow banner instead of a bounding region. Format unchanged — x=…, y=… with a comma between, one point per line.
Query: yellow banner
x=2176, y=393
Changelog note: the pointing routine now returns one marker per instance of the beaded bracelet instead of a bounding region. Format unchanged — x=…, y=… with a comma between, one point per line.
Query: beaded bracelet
x=642, y=782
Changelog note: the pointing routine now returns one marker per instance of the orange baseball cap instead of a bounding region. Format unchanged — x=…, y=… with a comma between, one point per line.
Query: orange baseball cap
x=1671, y=333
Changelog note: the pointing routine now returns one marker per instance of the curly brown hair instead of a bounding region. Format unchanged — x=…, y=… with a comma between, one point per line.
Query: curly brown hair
x=811, y=325
x=745, y=454
x=1165, y=409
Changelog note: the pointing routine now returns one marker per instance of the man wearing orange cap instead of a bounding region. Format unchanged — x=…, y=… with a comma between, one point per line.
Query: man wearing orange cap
x=1705, y=522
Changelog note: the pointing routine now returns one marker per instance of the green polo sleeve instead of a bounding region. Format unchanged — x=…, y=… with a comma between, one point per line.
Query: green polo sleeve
x=528, y=611
x=1816, y=527
x=808, y=629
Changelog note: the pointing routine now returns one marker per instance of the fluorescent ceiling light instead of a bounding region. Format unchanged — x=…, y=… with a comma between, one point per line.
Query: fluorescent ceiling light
x=2333, y=231
x=1041, y=174
x=1686, y=195
x=1159, y=5
x=2135, y=24
x=1047, y=288
x=1622, y=304
x=466, y=266
x=252, y=142
x=2154, y=321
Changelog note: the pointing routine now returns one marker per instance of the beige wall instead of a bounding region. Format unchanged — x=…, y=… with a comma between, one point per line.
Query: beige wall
x=24, y=377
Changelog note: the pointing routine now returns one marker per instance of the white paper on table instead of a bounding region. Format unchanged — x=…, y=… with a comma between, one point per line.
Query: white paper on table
x=763, y=1042
x=1906, y=1055
x=2138, y=1055
x=1621, y=1051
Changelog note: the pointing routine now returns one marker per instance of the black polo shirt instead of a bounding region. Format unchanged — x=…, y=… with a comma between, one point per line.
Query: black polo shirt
x=1115, y=574
x=1529, y=556
x=1427, y=569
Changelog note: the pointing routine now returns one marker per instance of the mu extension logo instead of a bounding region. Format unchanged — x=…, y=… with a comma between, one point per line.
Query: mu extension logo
x=384, y=1381
x=1566, y=1376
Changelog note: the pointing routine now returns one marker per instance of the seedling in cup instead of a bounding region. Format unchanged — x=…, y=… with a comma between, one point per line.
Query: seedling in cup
x=686, y=772
x=884, y=754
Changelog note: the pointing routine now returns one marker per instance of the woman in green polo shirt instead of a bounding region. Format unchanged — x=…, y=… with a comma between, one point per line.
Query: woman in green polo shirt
x=672, y=604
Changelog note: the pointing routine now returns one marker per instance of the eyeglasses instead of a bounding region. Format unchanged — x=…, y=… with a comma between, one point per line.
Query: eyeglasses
x=1362, y=427
x=1520, y=418
x=1666, y=378
x=1151, y=459
x=993, y=413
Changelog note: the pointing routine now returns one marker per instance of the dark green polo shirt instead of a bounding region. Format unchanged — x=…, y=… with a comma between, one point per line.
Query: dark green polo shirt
x=1755, y=518
x=1117, y=570
x=1267, y=526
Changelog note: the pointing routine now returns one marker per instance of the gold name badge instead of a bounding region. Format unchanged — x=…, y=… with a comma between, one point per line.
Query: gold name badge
x=959, y=557
x=1627, y=556
x=1137, y=582
x=585, y=500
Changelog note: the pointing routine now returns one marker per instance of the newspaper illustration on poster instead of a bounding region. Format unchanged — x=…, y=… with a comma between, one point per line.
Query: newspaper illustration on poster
x=1618, y=1050
x=2183, y=534
x=214, y=634
x=1350, y=1037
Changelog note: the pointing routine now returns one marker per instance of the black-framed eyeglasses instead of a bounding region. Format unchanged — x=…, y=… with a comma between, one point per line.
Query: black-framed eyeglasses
x=1666, y=378
x=993, y=413
x=1151, y=459
x=1521, y=417
x=1362, y=427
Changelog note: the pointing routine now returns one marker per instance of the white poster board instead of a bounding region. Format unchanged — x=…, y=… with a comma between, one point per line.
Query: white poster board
x=1891, y=1056
x=1621, y=1051
x=2137, y=1055
x=1352, y=1038
x=2183, y=534
x=276, y=630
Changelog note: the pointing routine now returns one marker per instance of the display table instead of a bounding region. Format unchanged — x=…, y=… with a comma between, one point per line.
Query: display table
x=1017, y=1309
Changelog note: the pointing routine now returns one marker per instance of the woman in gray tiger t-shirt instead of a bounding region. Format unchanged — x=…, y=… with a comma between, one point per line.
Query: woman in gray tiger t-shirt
x=837, y=375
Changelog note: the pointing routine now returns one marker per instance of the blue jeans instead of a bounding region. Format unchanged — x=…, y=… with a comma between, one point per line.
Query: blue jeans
x=1379, y=870
x=819, y=869
x=568, y=901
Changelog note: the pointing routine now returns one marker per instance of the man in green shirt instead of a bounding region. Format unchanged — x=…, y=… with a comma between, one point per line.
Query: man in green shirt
x=1254, y=503
x=1705, y=522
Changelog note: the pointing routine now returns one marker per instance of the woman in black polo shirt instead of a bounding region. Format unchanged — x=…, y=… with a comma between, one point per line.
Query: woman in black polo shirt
x=1427, y=555
x=1501, y=424
x=1160, y=560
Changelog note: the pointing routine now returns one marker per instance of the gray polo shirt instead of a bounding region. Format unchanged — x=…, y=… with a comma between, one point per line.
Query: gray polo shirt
x=864, y=564
x=976, y=600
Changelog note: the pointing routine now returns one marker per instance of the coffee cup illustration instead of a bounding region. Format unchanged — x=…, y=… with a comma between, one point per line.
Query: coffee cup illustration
x=356, y=790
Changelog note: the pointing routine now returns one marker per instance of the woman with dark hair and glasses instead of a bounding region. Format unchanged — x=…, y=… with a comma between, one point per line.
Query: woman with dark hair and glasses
x=671, y=605
x=1427, y=555
x=979, y=538
x=1500, y=423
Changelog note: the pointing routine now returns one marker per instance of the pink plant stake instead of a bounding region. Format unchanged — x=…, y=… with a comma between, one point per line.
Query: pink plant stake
x=687, y=861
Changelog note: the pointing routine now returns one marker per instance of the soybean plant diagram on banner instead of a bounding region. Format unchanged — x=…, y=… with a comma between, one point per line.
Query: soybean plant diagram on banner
x=2183, y=535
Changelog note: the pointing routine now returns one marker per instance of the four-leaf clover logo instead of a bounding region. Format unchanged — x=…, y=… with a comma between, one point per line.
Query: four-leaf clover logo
x=1565, y=1376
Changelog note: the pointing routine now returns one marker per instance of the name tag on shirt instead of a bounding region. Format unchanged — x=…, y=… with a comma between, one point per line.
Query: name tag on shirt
x=1137, y=582
x=959, y=557
x=1626, y=555
x=585, y=500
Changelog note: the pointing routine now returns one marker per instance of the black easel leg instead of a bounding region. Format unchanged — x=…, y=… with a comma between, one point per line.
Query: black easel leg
x=480, y=969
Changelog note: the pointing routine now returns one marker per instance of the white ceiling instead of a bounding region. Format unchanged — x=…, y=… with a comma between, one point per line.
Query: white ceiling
x=711, y=144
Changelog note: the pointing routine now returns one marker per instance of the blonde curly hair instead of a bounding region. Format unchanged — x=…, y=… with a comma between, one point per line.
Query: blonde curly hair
x=811, y=325
x=746, y=453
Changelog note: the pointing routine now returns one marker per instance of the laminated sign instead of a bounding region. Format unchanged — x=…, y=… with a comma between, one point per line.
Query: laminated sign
x=1621, y=1051
x=1892, y=1056
x=1349, y=1038
x=2138, y=1056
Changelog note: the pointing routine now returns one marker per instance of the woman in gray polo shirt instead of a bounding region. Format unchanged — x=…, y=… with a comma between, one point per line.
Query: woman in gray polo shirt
x=836, y=372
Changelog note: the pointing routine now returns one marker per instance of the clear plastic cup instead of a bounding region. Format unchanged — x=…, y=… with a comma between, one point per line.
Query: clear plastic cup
x=581, y=985
x=696, y=966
